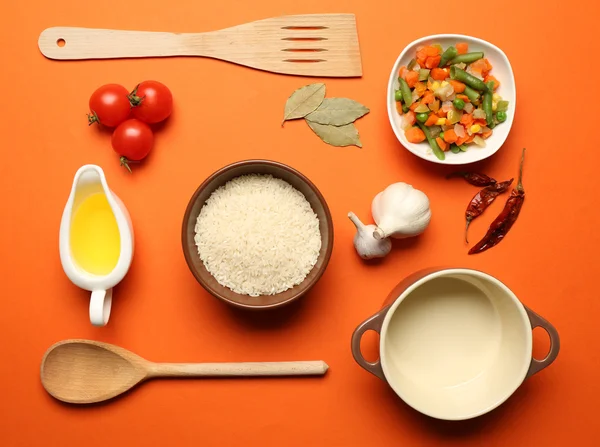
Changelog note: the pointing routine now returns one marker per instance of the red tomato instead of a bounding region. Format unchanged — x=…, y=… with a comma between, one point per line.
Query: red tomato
x=109, y=105
x=132, y=140
x=152, y=102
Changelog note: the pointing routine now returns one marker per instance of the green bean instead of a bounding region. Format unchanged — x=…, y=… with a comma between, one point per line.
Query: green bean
x=424, y=74
x=432, y=143
x=463, y=147
x=405, y=108
x=454, y=149
x=467, y=58
x=469, y=79
x=406, y=93
x=471, y=94
x=448, y=55
x=487, y=104
x=398, y=95
x=411, y=64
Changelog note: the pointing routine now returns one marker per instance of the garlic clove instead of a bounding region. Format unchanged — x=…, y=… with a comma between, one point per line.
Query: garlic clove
x=366, y=245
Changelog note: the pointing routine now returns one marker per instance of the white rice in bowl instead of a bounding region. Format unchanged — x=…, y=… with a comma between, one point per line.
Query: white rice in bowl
x=258, y=235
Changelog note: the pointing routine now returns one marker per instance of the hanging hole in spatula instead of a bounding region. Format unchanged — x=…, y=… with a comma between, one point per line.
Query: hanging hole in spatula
x=61, y=42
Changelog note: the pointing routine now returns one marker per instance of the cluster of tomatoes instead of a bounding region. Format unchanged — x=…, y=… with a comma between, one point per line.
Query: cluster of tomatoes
x=131, y=114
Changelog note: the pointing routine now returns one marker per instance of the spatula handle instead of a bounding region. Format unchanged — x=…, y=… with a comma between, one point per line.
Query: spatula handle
x=310, y=368
x=69, y=43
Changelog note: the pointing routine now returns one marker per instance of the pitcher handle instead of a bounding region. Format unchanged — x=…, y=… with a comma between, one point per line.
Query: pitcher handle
x=100, y=304
x=537, y=321
x=373, y=323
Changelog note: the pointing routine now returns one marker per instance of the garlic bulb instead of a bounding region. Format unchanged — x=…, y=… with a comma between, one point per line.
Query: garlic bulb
x=400, y=211
x=365, y=243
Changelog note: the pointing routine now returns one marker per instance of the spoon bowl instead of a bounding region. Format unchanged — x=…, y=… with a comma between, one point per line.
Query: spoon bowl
x=85, y=371
x=82, y=371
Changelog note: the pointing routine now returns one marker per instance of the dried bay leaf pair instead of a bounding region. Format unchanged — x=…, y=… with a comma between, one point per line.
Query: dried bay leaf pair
x=332, y=119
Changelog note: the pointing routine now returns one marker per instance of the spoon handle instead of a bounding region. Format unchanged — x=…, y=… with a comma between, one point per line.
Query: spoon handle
x=311, y=368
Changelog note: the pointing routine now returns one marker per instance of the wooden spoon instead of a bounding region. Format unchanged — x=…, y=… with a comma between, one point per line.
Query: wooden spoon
x=86, y=371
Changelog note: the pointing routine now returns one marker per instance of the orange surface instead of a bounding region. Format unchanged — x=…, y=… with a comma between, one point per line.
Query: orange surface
x=225, y=113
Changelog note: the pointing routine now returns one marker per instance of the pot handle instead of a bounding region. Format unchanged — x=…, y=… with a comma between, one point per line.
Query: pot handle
x=538, y=321
x=373, y=323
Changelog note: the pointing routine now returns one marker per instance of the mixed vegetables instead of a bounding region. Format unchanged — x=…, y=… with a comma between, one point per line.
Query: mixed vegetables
x=448, y=98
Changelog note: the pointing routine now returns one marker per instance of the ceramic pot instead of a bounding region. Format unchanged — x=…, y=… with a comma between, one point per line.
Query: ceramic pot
x=454, y=343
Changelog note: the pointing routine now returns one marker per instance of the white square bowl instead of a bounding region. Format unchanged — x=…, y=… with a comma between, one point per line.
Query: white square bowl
x=507, y=90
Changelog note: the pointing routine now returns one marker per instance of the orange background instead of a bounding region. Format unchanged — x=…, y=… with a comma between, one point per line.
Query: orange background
x=223, y=113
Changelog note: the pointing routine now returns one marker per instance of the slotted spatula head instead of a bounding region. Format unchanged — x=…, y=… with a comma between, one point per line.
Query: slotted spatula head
x=309, y=45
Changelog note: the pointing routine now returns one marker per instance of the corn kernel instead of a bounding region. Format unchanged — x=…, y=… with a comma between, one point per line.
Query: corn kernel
x=496, y=97
x=475, y=128
x=440, y=122
x=494, y=106
x=435, y=85
x=444, y=84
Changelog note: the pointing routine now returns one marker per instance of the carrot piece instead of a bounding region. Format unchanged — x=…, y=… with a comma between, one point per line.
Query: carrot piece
x=412, y=77
x=399, y=107
x=414, y=105
x=466, y=119
x=414, y=135
x=481, y=122
x=432, y=51
x=458, y=86
x=433, y=61
x=402, y=72
x=488, y=66
x=479, y=66
x=428, y=98
x=442, y=114
x=420, y=88
x=439, y=75
x=487, y=134
x=442, y=144
x=462, y=48
x=471, y=138
x=465, y=98
x=496, y=82
x=450, y=136
x=431, y=120
x=410, y=117
x=461, y=140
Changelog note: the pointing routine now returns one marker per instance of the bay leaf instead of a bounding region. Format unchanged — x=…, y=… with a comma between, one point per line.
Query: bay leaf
x=346, y=135
x=303, y=101
x=337, y=112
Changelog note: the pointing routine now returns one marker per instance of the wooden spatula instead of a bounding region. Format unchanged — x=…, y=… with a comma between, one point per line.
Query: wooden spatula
x=309, y=45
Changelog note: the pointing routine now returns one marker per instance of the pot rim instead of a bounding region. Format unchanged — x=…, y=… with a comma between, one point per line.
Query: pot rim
x=445, y=272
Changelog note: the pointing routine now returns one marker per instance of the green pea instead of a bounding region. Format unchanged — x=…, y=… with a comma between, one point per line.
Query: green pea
x=459, y=104
x=405, y=108
x=422, y=117
x=501, y=116
x=398, y=95
x=441, y=135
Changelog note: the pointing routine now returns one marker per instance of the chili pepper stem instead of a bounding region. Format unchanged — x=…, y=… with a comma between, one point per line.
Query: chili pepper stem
x=467, y=230
x=520, y=183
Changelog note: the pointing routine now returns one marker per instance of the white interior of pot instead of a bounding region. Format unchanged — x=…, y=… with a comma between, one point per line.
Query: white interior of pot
x=457, y=346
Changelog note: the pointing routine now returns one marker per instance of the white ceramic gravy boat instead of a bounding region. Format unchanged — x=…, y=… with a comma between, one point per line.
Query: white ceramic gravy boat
x=90, y=179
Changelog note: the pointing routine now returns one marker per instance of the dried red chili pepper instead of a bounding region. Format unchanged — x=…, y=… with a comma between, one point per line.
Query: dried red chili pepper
x=505, y=220
x=482, y=200
x=474, y=178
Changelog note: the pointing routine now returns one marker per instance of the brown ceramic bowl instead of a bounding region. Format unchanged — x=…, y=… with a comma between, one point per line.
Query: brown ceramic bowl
x=219, y=178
